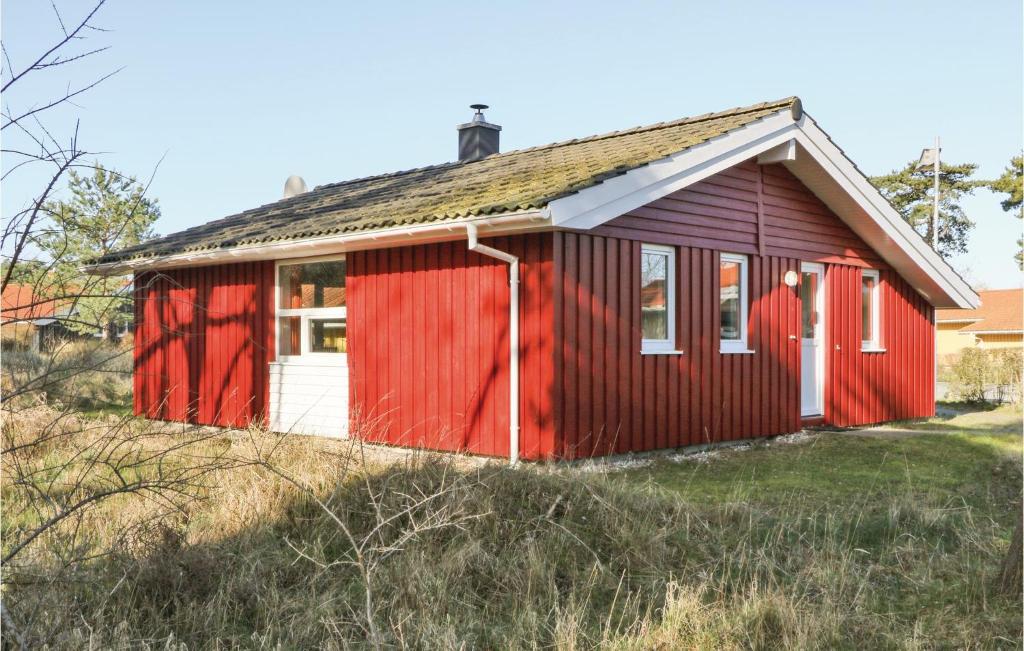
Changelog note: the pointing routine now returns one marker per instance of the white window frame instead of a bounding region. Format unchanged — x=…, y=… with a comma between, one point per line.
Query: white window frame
x=735, y=346
x=665, y=346
x=306, y=314
x=873, y=345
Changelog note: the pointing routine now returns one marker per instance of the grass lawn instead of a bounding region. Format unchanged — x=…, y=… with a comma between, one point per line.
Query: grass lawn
x=971, y=461
x=839, y=541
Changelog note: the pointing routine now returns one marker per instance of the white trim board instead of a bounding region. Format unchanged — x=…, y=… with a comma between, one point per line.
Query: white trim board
x=455, y=229
x=816, y=161
x=600, y=203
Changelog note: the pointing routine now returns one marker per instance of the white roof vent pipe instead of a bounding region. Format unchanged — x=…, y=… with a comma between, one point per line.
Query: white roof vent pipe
x=294, y=186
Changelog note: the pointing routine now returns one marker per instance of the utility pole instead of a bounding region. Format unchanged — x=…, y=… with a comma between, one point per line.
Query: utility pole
x=931, y=157
x=935, y=212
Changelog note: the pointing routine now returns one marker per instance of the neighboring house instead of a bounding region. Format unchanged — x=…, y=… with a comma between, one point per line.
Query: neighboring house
x=34, y=322
x=709, y=279
x=997, y=323
x=29, y=321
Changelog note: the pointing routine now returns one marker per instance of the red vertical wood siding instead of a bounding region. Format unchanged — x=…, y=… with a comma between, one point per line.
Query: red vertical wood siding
x=203, y=339
x=428, y=333
x=704, y=396
x=721, y=213
x=862, y=387
x=428, y=347
x=613, y=399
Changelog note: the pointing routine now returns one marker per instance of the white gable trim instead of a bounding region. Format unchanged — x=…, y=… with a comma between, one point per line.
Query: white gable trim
x=597, y=204
x=864, y=209
x=845, y=173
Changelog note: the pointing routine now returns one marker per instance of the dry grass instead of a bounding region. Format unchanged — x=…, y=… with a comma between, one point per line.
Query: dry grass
x=471, y=556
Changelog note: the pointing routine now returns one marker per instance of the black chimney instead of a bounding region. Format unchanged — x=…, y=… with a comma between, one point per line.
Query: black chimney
x=478, y=138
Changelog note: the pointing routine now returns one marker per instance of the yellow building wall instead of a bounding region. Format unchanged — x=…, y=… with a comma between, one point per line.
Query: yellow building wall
x=949, y=341
x=999, y=342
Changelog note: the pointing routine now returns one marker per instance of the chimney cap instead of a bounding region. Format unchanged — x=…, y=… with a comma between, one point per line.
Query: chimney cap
x=478, y=119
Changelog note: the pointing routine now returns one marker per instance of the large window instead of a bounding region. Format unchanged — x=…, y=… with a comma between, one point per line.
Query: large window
x=732, y=302
x=869, y=310
x=657, y=298
x=311, y=309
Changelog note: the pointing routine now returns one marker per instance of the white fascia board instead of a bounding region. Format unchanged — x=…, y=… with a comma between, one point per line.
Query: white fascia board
x=506, y=224
x=617, y=196
x=835, y=163
x=992, y=332
x=776, y=136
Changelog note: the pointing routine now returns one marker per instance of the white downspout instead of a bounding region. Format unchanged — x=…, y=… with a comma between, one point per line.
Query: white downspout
x=513, y=336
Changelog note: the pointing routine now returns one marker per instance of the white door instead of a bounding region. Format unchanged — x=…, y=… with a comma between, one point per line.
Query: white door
x=812, y=344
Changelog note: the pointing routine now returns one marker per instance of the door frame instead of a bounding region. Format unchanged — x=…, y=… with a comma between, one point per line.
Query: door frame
x=819, y=362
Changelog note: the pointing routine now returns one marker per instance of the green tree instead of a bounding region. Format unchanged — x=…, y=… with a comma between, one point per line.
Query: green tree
x=106, y=211
x=1012, y=184
x=909, y=190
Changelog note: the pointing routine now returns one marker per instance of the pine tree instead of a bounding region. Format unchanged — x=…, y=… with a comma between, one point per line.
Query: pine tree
x=107, y=211
x=1012, y=184
x=909, y=190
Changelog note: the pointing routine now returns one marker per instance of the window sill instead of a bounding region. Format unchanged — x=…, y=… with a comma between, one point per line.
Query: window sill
x=337, y=359
x=870, y=349
x=662, y=352
x=735, y=351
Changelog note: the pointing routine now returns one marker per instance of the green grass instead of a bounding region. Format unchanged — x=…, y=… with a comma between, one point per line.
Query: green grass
x=973, y=418
x=841, y=541
x=840, y=469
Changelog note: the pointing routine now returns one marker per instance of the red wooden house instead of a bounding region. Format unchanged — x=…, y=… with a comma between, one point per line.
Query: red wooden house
x=714, y=278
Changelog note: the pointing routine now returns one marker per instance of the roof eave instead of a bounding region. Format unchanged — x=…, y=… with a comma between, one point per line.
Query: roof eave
x=488, y=226
x=816, y=161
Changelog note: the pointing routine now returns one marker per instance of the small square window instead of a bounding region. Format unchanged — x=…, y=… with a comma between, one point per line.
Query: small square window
x=657, y=298
x=327, y=336
x=290, y=328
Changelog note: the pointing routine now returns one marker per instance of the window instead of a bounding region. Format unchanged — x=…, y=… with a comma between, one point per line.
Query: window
x=809, y=303
x=869, y=310
x=657, y=298
x=732, y=302
x=311, y=309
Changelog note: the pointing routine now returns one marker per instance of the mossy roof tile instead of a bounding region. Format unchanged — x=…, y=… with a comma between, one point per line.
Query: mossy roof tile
x=518, y=180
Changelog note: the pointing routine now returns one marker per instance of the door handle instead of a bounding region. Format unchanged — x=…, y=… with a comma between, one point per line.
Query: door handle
x=793, y=337
x=837, y=346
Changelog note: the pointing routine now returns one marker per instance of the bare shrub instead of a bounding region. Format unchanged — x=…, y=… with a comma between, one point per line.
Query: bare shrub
x=979, y=373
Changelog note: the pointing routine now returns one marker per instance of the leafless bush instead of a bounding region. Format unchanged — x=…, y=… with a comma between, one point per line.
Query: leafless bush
x=62, y=470
x=980, y=374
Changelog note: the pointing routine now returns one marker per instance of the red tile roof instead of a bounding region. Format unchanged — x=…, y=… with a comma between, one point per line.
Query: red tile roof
x=19, y=302
x=1001, y=310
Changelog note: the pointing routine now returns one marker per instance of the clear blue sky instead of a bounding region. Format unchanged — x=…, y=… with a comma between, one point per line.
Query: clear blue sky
x=240, y=95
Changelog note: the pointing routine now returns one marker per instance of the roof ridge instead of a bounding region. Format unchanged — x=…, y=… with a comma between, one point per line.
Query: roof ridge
x=738, y=110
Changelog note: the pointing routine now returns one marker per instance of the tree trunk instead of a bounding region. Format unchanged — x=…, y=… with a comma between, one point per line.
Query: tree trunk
x=1010, y=577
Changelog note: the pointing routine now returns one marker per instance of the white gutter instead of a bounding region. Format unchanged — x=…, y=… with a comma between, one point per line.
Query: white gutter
x=399, y=236
x=513, y=335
